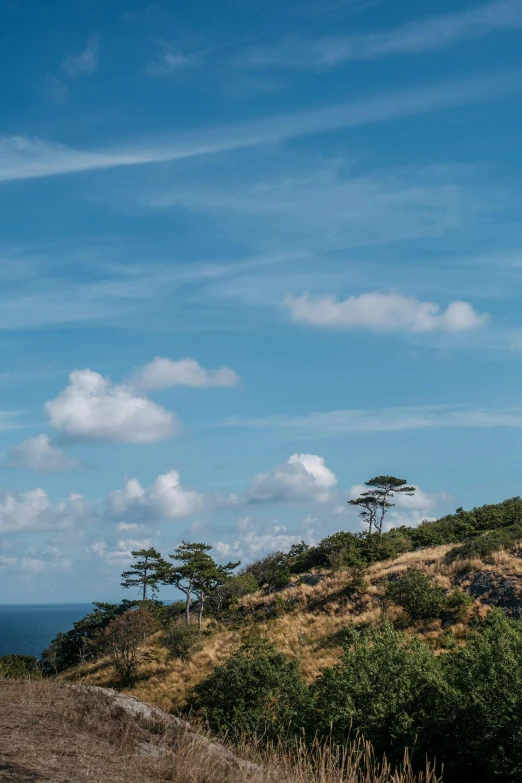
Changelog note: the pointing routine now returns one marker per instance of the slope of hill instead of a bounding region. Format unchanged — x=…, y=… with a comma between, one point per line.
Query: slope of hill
x=63, y=734
x=309, y=617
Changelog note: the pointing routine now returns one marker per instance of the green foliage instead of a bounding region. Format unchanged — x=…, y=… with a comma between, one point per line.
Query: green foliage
x=271, y=571
x=15, y=666
x=182, y=640
x=415, y=593
x=224, y=599
x=385, y=686
x=146, y=573
x=463, y=707
x=485, y=545
x=375, y=502
x=458, y=600
x=478, y=727
x=258, y=692
x=77, y=645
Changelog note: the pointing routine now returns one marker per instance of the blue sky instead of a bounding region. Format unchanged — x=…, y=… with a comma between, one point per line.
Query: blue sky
x=251, y=254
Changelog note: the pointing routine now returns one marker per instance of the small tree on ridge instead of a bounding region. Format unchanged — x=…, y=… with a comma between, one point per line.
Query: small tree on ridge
x=375, y=502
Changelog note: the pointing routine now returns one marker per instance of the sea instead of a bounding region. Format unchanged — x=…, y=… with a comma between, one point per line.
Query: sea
x=27, y=629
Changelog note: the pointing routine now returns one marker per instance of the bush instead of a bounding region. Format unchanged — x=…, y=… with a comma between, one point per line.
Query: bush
x=15, y=666
x=123, y=641
x=79, y=644
x=266, y=570
x=182, y=640
x=478, y=727
x=415, y=593
x=385, y=686
x=222, y=601
x=258, y=692
x=483, y=546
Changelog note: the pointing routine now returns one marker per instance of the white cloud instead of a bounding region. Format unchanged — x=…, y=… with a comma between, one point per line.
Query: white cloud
x=384, y=419
x=121, y=552
x=40, y=455
x=162, y=372
x=302, y=478
x=435, y=32
x=84, y=63
x=382, y=312
x=166, y=499
x=32, y=511
x=251, y=544
x=23, y=157
x=92, y=408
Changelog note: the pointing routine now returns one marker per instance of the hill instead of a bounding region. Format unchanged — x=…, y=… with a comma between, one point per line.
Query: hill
x=307, y=619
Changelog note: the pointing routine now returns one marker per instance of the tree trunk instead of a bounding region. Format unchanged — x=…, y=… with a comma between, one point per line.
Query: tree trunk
x=187, y=609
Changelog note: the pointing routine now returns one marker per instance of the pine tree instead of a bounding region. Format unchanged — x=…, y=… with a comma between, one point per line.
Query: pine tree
x=147, y=572
x=377, y=500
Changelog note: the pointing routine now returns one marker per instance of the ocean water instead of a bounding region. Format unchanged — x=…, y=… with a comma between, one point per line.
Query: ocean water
x=28, y=629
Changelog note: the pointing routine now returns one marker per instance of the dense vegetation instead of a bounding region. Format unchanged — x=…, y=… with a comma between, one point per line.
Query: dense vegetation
x=463, y=708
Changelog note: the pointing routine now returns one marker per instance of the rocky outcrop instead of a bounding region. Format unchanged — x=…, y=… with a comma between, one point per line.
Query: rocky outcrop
x=496, y=590
x=149, y=715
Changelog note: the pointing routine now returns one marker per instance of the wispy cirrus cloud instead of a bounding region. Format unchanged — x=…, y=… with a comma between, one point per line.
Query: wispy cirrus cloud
x=340, y=422
x=423, y=35
x=22, y=157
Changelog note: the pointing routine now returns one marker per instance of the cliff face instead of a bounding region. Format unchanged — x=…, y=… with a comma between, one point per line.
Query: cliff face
x=307, y=619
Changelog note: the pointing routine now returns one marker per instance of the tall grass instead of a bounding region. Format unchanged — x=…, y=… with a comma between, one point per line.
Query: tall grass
x=66, y=734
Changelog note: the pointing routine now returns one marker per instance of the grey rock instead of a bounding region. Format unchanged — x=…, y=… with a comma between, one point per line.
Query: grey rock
x=311, y=579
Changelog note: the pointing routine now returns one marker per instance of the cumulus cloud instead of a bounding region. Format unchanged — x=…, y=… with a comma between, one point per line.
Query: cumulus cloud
x=251, y=544
x=162, y=372
x=40, y=455
x=119, y=553
x=382, y=312
x=92, y=408
x=166, y=499
x=84, y=63
x=302, y=478
x=32, y=511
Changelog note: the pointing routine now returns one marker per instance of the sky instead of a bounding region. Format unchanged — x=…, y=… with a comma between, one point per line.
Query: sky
x=252, y=254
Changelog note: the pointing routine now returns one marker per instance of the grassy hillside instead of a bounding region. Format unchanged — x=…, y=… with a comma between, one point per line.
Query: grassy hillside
x=308, y=620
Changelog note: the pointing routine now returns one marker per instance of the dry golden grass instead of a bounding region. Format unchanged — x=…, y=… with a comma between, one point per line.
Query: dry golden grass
x=63, y=735
x=307, y=629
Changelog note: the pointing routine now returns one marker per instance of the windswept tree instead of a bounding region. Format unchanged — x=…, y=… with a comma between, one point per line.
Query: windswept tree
x=190, y=562
x=147, y=572
x=375, y=502
x=209, y=579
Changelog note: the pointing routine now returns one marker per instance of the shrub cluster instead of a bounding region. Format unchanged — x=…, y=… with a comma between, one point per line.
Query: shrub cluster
x=463, y=707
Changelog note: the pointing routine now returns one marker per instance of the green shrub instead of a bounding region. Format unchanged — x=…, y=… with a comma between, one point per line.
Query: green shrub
x=415, y=593
x=223, y=601
x=458, y=600
x=258, y=692
x=15, y=666
x=483, y=546
x=79, y=644
x=182, y=640
x=385, y=686
x=477, y=730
